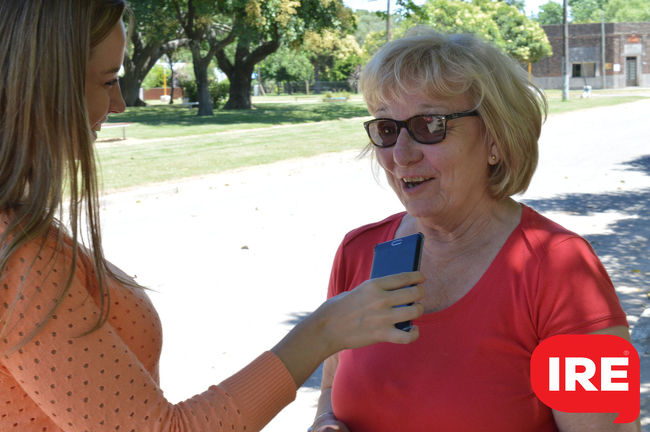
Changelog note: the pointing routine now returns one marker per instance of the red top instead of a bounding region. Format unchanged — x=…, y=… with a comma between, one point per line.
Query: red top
x=469, y=370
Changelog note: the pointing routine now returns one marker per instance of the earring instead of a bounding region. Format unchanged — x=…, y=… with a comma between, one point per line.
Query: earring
x=493, y=158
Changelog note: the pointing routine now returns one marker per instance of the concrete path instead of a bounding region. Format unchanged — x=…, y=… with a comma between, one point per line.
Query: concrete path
x=236, y=259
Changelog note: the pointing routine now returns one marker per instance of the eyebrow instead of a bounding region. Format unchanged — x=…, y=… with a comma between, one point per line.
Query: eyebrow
x=112, y=70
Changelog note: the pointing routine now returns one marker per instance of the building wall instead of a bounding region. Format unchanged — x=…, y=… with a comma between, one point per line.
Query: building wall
x=622, y=41
x=155, y=93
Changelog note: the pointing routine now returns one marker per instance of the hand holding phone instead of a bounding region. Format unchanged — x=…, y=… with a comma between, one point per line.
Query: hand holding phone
x=398, y=256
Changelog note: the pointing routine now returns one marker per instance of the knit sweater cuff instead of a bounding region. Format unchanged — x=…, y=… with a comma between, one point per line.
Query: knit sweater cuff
x=261, y=389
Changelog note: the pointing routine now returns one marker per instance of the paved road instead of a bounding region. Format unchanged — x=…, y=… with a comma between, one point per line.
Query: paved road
x=236, y=258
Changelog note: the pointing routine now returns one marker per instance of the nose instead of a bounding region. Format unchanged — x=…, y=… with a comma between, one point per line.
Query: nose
x=117, y=104
x=406, y=151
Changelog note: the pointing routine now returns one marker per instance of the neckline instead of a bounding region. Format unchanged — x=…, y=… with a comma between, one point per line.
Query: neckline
x=483, y=280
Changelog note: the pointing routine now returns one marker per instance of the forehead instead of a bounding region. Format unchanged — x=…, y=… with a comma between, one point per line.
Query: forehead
x=109, y=53
x=408, y=104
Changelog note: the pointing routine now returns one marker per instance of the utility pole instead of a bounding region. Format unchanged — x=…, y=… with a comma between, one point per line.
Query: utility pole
x=565, y=52
x=387, y=21
x=602, y=48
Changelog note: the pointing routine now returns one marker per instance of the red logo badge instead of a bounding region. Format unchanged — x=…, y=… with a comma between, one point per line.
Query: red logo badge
x=588, y=373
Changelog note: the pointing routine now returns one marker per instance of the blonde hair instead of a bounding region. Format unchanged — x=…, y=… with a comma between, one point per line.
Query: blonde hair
x=46, y=143
x=438, y=65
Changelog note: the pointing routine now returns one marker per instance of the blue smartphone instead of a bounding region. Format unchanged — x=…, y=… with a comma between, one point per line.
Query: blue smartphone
x=399, y=255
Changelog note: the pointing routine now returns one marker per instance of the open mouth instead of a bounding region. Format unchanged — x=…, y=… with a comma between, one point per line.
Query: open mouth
x=411, y=182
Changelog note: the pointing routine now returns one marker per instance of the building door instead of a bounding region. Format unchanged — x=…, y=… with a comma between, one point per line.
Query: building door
x=630, y=72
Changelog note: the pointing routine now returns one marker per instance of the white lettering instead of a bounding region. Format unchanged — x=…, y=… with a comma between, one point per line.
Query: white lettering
x=572, y=375
x=607, y=374
x=554, y=374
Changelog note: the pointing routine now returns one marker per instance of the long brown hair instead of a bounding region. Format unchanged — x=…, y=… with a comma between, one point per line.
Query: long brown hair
x=46, y=145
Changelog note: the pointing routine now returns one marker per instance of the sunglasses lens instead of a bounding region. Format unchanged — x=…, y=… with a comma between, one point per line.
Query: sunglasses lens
x=427, y=129
x=383, y=132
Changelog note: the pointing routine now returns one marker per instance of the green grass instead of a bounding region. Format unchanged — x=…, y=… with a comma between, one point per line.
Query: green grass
x=175, y=143
x=558, y=106
x=162, y=121
x=156, y=161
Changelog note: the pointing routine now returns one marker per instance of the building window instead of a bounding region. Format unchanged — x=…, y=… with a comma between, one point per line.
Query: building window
x=584, y=70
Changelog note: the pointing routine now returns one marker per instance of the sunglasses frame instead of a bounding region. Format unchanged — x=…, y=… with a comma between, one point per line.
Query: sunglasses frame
x=403, y=124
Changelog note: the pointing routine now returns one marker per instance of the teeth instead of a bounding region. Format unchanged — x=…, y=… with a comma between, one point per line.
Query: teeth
x=414, y=179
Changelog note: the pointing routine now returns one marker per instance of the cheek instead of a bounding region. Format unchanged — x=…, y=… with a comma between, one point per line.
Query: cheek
x=97, y=103
x=384, y=158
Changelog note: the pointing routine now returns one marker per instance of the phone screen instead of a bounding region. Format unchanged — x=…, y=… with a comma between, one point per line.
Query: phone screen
x=397, y=256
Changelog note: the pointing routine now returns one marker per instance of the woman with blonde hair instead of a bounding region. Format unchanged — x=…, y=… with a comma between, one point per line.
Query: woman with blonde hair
x=455, y=131
x=79, y=340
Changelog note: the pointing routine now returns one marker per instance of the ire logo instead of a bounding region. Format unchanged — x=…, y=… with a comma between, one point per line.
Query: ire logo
x=588, y=374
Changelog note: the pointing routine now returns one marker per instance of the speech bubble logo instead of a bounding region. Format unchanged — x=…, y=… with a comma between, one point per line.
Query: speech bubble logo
x=588, y=374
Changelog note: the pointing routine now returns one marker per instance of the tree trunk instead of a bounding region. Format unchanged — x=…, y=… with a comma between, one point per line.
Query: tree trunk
x=203, y=89
x=201, y=75
x=239, y=96
x=240, y=73
x=130, y=86
x=171, y=81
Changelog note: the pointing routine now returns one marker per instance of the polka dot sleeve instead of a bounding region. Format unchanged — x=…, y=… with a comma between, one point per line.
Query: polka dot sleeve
x=107, y=380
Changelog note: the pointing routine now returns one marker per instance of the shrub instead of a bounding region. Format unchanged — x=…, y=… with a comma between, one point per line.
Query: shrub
x=219, y=92
x=190, y=92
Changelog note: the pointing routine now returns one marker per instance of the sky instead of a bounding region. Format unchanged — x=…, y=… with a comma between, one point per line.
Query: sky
x=532, y=6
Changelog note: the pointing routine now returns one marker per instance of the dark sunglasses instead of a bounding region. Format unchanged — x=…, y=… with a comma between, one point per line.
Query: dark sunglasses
x=424, y=128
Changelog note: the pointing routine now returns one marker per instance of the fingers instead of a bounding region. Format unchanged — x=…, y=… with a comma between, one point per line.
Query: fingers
x=400, y=280
x=401, y=337
x=406, y=295
x=406, y=312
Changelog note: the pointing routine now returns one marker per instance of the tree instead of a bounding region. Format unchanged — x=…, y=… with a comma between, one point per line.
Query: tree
x=586, y=11
x=519, y=4
x=287, y=65
x=154, y=31
x=550, y=13
x=496, y=21
x=207, y=32
x=589, y=11
x=371, y=22
x=261, y=27
x=627, y=11
x=333, y=57
x=522, y=38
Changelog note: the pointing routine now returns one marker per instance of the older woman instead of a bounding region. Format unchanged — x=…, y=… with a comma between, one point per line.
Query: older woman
x=455, y=131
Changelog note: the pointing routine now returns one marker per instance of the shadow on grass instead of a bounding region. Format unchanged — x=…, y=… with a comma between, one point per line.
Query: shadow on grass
x=269, y=113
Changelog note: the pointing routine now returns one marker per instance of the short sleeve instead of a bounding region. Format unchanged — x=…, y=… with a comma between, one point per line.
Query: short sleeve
x=574, y=291
x=336, y=275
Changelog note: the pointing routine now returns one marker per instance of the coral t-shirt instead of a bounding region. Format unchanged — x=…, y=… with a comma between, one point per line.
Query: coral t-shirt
x=106, y=380
x=470, y=368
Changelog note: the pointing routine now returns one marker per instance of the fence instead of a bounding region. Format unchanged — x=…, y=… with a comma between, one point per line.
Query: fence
x=305, y=87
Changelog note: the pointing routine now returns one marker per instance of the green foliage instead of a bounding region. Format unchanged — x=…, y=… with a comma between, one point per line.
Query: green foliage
x=343, y=67
x=190, y=91
x=370, y=22
x=496, y=21
x=219, y=92
x=589, y=11
x=550, y=13
x=287, y=64
x=371, y=45
x=155, y=77
x=586, y=11
x=627, y=11
x=519, y=4
x=154, y=19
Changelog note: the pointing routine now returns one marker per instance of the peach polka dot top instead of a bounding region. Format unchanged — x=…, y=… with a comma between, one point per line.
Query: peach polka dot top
x=107, y=380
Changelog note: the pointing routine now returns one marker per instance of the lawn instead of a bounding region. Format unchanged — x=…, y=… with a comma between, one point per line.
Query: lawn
x=170, y=142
